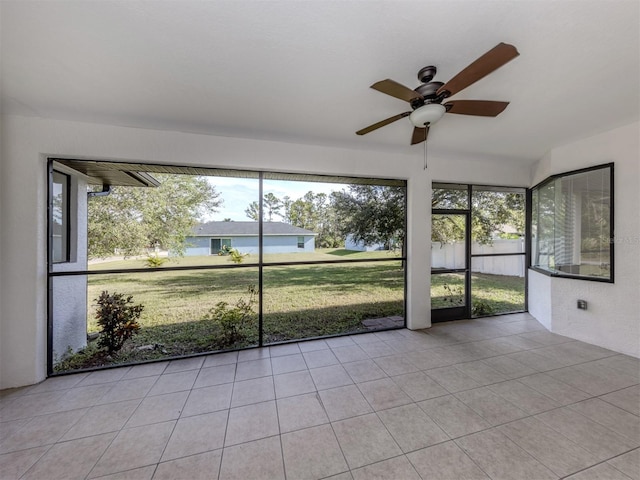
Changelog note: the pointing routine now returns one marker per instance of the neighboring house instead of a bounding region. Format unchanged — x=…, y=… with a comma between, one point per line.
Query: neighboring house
x=209, y=238
x=351, y=244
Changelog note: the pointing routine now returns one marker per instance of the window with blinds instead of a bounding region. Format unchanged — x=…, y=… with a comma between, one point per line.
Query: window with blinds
x=572, y=224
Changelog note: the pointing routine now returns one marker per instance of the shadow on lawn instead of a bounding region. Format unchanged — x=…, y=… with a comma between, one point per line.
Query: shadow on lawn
x=333, y=277
x=204, y=336
x=341, y=252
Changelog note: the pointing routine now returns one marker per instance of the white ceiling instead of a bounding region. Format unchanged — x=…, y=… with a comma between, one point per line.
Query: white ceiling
x=299, y=71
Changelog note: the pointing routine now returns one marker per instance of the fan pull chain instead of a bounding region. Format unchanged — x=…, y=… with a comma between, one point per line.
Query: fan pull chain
x=425, y=155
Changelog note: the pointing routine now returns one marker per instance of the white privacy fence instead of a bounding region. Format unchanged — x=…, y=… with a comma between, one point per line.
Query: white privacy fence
x=452, y=255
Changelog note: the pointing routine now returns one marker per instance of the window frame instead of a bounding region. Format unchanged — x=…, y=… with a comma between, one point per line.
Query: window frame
x=223, y=241
x=467, y=209
x=301, y=243
x=66, y=218
x=558, y=273
x=259, y=175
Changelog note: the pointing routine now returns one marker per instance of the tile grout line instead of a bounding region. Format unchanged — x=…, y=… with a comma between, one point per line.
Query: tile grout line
x=129, y=418
x=275, y=402
x=39, y=458
x=590, y=396
x=613, y=404
x=344, y=457
x=606, y=461
x=471, y=458
x=226, y=426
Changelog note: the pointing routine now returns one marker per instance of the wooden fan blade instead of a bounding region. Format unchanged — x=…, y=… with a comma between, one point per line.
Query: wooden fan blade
x=483, y=108
x=382, y=123
x=419, y=135
x=396, y=89
x=483, y=66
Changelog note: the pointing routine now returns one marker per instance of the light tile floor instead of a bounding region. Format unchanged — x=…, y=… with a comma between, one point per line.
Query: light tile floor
x=492, y=398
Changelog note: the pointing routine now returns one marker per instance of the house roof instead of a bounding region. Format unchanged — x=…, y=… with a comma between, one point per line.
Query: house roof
x=238, y=229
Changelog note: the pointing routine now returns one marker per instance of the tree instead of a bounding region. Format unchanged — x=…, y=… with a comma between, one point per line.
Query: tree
x=253, y=211
x=303, y=212
x=130, y=219
x=271, y=205
x=491, y=211
x=315, y=212
x=286, y=207
x=372, y=213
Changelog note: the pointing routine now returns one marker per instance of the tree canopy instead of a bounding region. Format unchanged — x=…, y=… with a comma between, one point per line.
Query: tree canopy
x=316, y=212
x=253, y=211
x=491, y=210
x=372, y=214
x=131, y=219
x=313, y=211
x=376, y=214
x=271, y=205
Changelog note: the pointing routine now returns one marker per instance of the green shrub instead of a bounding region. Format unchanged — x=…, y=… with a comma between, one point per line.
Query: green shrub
x=481, y=308
x=236, y=256
x=154, y=261
x=454, y=295
x=117, y=318
x=236, y=322
x=233, y=253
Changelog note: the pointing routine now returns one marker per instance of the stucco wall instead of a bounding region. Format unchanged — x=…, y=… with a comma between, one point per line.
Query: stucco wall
x=197, y=246
x=613, y=316
x=27, y=141
x=70, y=293
x=540, y=297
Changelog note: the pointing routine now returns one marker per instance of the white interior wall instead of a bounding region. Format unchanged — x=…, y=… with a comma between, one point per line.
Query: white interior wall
x=539, y=287
x=478, y=171
x=28, y=141
x=613, y=316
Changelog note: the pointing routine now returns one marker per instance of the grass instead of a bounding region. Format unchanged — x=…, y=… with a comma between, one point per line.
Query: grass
x=320, y=255
x=299, y=301
x=503, y=293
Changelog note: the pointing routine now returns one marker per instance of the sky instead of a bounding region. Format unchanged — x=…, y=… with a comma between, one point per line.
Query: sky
x=238, y=193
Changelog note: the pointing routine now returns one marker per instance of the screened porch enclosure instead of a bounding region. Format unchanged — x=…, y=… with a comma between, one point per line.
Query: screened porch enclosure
x=228, y=297
x=478, y=251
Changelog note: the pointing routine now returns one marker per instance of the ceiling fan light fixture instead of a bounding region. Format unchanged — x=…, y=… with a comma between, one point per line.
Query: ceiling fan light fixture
x=427, y=115
x=426, y=99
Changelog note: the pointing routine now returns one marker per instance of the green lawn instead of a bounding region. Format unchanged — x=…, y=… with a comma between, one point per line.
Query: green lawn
x=503, y=293
x=320, y=255
x=300, y=301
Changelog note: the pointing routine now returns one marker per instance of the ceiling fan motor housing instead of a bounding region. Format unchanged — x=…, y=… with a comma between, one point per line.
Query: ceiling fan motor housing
x=428, y=90
x=428, y=94
x=426, y=74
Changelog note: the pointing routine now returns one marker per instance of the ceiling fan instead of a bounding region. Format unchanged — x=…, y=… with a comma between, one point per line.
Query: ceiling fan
x=426, y=100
